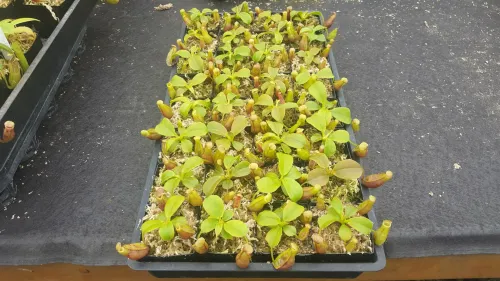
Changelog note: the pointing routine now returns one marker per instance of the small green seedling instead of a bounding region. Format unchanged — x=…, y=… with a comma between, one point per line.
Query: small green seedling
x=194, y=58
x=272, y=80
x=348, y=219
x=347, y=169
x=242, y=12
x=309, y=55
x=307, y=80
x=277, y=109
x=224, y=175
x=232, y=76
x=279, y=222
x=231, y=56
x=328, y=136
x=276, y=32
x=264, y=50
x=287, y=179
x=224, y=103
x=165, y=223
x=314, y=33
x=182, y=86
x=233, y=36
x=197, y=107
x=227, y=138
x=284, y=139
x=180, y=136
x=220, y=220
x=170, y=179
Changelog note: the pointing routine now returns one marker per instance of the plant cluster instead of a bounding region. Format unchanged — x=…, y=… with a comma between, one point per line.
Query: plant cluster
x=254, y=136
x=20, y=38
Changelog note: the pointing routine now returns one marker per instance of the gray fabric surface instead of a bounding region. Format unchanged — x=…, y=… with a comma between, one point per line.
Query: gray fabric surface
x=423, y=79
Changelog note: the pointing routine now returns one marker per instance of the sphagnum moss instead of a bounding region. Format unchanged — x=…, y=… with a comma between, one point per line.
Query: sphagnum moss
x=264, y=159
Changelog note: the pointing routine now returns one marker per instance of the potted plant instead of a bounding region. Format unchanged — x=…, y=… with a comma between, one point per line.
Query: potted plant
x=260, y=167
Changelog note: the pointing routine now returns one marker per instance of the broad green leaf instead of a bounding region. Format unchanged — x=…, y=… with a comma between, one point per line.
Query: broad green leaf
x=229, y=161
x=190, y=182
x=217, y=128
x=345, y=232
x=183, y=54
x=289, y=105
x=292, y=211
x=348, y=169
x=316, y=137
x=276, y=127
x=286, y=149
x=151, y=225
x=214, y=206
x=245, y=17
x=268, y=218
x=258, y=56
x=196, y=63
x=243, y=73
x=318, y=176
x=326, y=220
x=197, y=129
x=242, y=51
x=278, y=38
x=325, y=73
x=278, y=113
x=179, y=220
x=186, y=146
x=171, y=144
x=227, y=184
x=225, y=235
x=343, y=114
x=273, y=236
x=237, y=145
x=211, y=184
x=166, y=128
x=171, y=184
x=198, y=79
x=340, y=136
x=294, y=140
x=273, y=72
x=224, y=108
x=318, y=121
x=312, y=105
x=361, y=224
x=172, y=205
x=292, y=188
x=268, y=184
x=320, y=159
x=285, y=163
x=166, y=175
x=302, y=77
x=239, y=124
x=236, y=228
x=223, y=143
x=318, y=91
x=336, y=205
x=228, y=214
x=218, y=228
x=330, y=148
x=241, y=170
x=191, y=163
x=208, y=225
x=294, y=173
x=221, y=78
x=314, y=51
x=350, y=211
x=289, y=230
x=167, y=232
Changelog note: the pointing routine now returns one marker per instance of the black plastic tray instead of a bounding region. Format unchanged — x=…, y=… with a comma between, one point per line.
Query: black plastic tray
x=213, y=265
x=28, y=103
